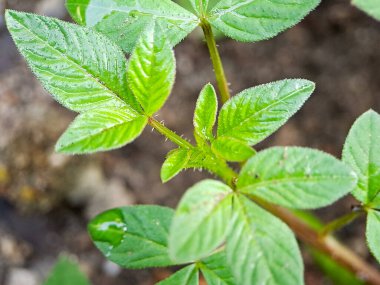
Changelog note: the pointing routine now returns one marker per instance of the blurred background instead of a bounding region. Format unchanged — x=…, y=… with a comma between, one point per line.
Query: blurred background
x=46, y=199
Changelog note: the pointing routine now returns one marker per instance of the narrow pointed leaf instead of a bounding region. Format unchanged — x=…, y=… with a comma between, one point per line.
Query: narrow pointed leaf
x=371, y=7
x=256, y=20
x=256, y=113
x=373, y=232
x=123, y=21
x=261, y=249
x=174, y=163
x=151, y=70
x=205, y=112
x=186, y=276
x=101, y=130
x=296, y=177
x=232, y=149
x=133, y=237
x=200, y=223
x=82, y=69
x=216, y=271
x=361, y=152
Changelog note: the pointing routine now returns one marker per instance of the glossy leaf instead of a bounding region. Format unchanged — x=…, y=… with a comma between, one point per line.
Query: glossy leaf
x=361, y=152
x=174, y=163
x=101, y=130
x=66, y=272
x=261, y=249
x=124, y=20
x=205, y=112
x=186, y=276
x=200, y=223
x=232, y=149
x=133, y=237
x=371, y=7
x=256, y=113
x=373, y=232
x=82, y=69
x=216, y=271
x=151, y=70
x=296, y=177
x=256, y=20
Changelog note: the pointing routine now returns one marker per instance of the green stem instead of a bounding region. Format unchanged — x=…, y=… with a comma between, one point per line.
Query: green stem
x=341, y=222
x=216, y=61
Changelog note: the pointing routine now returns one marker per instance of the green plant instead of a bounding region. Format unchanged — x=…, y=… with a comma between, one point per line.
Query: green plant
x=234, y=232
x=371, y=7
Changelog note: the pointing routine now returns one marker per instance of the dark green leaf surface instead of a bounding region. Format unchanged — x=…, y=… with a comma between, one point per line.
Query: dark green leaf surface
x=256, y=20
x=371, y=7
x=361, y=152
x=296, y=177
x=82, y=69
x=66, y=272
x=174, y=163
x=232, y=149
x=186, y=276
x=373, y=233
x=101, y=130
x=216, y=271
x=261, y=249
x=133, y=237
x=124, y=20
x=256, y=113
x=151, y=70
x=200, y=223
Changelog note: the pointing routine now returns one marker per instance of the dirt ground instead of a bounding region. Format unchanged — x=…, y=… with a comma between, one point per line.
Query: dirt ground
x=46, y=199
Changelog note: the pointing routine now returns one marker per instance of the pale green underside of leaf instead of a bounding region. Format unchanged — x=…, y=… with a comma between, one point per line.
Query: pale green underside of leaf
x=151, y=70
x=373, y=233
x=124, y=20
x=82, y=69
x=362, y=152
x=216, y=271
x=133, y=237
x=186, y=276
x=256, y=113
x=101, y=130
x=371, y=7
x=256, y=20
x=200, y=223
x=66, y=272
x=174, y=163
x=296, y=177
x=205, y=112
x=232, y=149
x=261, y=249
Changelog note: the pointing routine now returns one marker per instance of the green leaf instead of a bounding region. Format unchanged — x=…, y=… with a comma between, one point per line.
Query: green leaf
x=261, y=249
x=134, y=237
x=205, y=112
x=186, y=276
x=66, y=272
x=371, y=7
x=216, y=271
x=101, y=130
x=174, y=163
x=361, y=152
x=200, y=223
x=151, y=70
x=373, y=232
x=82, y=69
x=256, y=20
x=124, y=20
x=232, y=149
x=296, y=177
x=256, y=113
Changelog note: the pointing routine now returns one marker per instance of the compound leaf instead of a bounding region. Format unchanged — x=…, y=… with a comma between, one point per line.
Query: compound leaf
x=186, y=276
x=261, y=249
x=256, y=113
x=216, y=271
x=174, y=163
x=200, y=223
x=133, y=237
x=151, y=70
x=124, y=20
x=232, y=149
x=373, y=232
x=101, y=130
x=256, y=20
x=371, y=7
x=205, y=112
x=361, y=152
x=82, y=69
x=296, y=177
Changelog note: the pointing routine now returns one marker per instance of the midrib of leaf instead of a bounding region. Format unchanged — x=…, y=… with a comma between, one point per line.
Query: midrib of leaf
x=212, y=271
x=68, y=59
